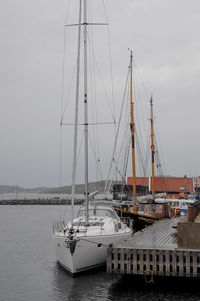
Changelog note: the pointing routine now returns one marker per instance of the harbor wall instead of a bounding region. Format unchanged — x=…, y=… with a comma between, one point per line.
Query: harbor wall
x=40, y=202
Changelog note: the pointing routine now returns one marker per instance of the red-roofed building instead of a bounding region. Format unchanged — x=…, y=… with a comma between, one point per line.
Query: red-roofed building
x=171, y=185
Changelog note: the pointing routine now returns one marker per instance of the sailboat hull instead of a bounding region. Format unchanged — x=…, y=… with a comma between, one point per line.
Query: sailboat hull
x=89, y=252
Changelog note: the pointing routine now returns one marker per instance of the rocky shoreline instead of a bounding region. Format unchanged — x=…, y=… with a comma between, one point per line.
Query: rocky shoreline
x=54, y=201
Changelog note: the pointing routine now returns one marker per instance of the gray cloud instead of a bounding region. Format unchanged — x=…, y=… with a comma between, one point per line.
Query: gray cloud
x=164, y=36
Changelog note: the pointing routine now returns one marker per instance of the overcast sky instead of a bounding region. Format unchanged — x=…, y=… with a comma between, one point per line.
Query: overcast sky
x=164, y=35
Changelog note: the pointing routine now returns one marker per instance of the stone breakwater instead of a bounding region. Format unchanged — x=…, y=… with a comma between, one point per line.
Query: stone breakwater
x=51, y=201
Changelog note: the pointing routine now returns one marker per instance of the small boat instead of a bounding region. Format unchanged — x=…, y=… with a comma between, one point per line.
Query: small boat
x=81, y=244
x=143, y=213
x=179, y=206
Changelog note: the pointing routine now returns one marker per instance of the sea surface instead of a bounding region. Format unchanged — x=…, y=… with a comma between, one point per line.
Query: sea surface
x=29, y=271
x=31, y=196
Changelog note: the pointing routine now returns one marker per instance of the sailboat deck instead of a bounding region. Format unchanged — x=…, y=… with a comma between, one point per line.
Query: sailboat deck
x=154, y=251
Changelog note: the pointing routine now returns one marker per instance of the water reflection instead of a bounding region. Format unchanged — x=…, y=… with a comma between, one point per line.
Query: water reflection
x=93, y=285
x=99, y=285
x=166, y=288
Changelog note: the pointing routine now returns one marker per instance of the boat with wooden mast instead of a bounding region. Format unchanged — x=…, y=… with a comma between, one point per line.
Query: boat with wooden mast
x=151, y=210
x=142, y=212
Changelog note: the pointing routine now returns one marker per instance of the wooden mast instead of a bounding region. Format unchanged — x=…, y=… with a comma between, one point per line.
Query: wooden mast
x=152, y=152
x=132, y=125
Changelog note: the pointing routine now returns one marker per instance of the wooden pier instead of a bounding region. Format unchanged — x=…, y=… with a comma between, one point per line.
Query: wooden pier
x=154, y=251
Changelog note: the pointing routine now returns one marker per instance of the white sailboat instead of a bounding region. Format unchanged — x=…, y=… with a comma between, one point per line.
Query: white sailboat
x=84, y=246
x=81, y=244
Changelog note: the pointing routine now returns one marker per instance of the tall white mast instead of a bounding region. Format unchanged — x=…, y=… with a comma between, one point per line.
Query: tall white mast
x=86, y=113
x=76, y=116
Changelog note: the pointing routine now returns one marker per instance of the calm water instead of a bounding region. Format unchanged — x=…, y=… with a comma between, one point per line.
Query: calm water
x=28, y=195
x=29, y=271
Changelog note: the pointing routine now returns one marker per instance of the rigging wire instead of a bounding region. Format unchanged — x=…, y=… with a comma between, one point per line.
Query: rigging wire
x=111, y=70
x=140, y=157
x=62, y=90
x=159, y=150
x=159, y=166
x=93, y=90
x=94, y=69
x=126, y=166
x=160, y=145
x=147, y=157
x=125, y=140
x=103, y=85
x=117, y=133
x=138, y=101
x=116, y=161
x=64, y=105
x=96, y=158
x=145, y=90
x=79, y=150
x=68, y=94
x=127, y=158
x=111, y=66
x=70, y=85
x=123, y=175
x=64, y=57
x=139, y=135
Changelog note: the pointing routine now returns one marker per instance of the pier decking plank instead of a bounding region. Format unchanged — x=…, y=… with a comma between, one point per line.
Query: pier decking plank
x=154, y=251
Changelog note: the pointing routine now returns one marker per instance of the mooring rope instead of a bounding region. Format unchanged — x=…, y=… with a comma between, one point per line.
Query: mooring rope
x=97, y=243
